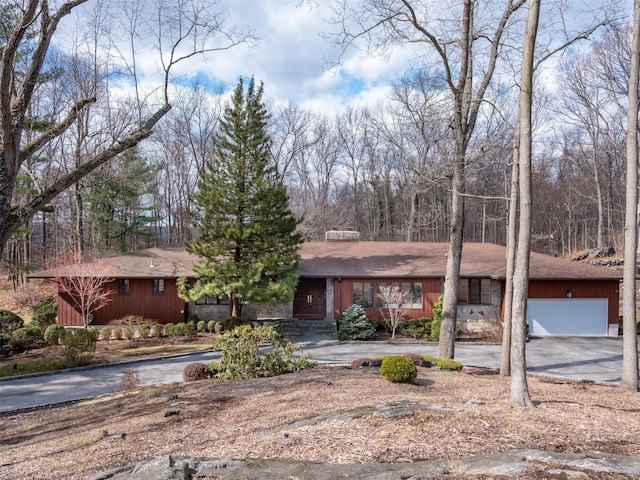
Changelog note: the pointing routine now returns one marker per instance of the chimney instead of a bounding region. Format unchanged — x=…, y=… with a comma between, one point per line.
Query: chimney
x=341, y=234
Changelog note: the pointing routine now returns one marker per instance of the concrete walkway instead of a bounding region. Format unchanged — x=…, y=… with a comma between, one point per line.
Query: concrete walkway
x=597, y=359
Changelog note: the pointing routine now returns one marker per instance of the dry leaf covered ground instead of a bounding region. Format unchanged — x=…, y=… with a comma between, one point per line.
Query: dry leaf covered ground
x=331, y=413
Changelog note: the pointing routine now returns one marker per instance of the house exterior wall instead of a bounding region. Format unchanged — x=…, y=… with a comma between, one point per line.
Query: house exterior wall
x=167, y=308
x=343, y=296
x=608, y=289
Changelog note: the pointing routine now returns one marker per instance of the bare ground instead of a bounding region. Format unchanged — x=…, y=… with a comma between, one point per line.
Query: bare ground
x=330, y=414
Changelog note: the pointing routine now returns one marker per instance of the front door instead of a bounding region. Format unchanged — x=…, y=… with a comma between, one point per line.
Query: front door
x=310, y=299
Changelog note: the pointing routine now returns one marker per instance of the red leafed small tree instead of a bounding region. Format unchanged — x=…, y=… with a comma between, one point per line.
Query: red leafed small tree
x=85, y=282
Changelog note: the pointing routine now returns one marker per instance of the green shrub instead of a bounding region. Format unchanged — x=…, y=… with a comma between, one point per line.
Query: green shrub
x=117, y=333
x=105, y=333
x=399, y=369
x=436, y=322
x=413, y=327
x=449, y=364
x=9, y=322
x=128, y=332
x=143, y=330
x=218, y=327
x=27, y=337
x=78, y=346
x=195, y=371
x=5, y=344
x=200, y=326
x=168, y=329
x=354, y=325
x=45, y=314
x=190, y=329
x=275, y=325
x=158, y=330
x=241, y=357
x=231, y=323
x=430, y=358
x=211, y=325
x=215, y=368
x=52, y=334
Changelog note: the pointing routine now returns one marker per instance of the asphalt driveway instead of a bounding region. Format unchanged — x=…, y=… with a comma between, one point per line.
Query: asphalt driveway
x=597, y=359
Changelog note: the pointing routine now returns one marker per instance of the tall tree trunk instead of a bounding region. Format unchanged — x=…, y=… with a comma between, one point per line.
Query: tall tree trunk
x=630, y=355
x=446, y=344
x=519, y=388
x=512, y=235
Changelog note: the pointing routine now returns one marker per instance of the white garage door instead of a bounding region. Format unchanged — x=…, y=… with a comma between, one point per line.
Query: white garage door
x=567, y=316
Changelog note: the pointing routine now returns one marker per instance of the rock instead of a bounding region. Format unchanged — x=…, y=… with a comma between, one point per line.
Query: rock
x=170, y=413
x=517, y=463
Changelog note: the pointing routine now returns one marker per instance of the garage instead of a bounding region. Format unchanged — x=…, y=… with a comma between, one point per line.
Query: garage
x=567, y=316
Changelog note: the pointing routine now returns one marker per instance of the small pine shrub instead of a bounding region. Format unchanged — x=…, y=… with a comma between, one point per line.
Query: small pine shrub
x=9, y=322
x=195, y=371
x=169, y=329
x=158, y=330
x=117, y=333
x=190, y=329
x=52, y=334
x=200, y=326
x=398, y=369
x=218, y=327
x=211, y=325
x=128, y=332
x=143, y=330
x=45, y=314
x=105, y=334
x=449, y=364
x=354, y=325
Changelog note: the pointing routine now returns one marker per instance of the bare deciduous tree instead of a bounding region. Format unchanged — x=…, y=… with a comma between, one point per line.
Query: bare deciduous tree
x=183, y=30
x=393, y=300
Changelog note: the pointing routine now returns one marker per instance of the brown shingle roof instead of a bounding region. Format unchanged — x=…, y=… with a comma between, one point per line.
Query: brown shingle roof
x=367, y=259
x=420, y=259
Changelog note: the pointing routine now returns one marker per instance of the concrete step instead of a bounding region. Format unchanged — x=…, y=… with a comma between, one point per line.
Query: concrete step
x=322, y=329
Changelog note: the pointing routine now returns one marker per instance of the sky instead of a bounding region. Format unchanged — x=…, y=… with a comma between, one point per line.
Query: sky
x=292, y=58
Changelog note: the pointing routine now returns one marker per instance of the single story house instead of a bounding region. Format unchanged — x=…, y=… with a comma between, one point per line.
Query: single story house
x=565, y=297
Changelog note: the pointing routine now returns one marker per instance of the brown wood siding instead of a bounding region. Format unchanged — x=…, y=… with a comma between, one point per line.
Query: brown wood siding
x=343, y=297
x=167, y=308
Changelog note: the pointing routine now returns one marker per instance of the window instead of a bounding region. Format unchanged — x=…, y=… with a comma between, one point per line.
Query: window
x=123, y=287
x=475, y=291
x=412, y=294
x=158, y=287
x=213, y=301
x=363, y=294
x=389, y=294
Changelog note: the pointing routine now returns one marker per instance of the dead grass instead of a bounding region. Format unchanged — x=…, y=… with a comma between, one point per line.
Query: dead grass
x=325, y=414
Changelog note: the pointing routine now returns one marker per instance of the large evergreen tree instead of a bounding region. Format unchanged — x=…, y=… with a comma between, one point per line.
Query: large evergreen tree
x=246, y=242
